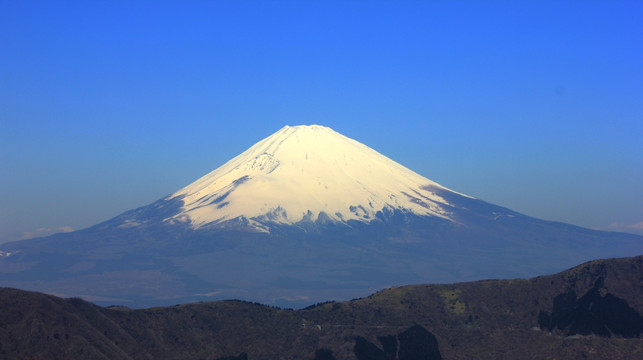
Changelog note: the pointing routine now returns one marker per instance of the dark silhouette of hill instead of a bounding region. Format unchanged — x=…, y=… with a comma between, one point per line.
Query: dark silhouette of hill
x=591, y=311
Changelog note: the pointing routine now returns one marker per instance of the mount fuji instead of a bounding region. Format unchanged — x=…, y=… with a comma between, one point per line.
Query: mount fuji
x=303, y=216
x=302, y=175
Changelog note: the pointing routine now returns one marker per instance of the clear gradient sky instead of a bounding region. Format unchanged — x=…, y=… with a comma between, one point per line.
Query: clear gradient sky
x=533, y=105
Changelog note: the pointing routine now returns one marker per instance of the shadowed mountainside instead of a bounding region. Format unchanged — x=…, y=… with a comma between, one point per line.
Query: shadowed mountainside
x=591, y=311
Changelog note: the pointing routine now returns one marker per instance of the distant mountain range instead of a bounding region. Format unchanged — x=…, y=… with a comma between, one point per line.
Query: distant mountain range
x=592, y=311
x=305, y=215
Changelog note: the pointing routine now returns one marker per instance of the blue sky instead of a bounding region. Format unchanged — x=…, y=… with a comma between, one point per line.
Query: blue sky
x=533, y=105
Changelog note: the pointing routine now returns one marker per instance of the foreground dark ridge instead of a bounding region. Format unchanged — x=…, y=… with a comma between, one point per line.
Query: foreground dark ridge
x=590, y=311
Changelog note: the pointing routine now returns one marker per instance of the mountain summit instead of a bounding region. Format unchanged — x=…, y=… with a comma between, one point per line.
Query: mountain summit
x=307, y=173
x=303, y=216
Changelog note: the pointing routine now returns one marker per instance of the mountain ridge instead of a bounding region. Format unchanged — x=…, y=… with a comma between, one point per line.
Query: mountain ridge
x=490, y=319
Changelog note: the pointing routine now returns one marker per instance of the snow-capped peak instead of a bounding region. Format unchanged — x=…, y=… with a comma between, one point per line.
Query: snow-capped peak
x=302, y=172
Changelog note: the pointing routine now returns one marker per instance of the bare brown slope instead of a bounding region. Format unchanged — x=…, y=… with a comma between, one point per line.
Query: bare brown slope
x=495, y=319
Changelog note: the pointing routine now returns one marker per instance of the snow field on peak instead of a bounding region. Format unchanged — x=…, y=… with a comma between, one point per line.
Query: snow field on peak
x=302, y=171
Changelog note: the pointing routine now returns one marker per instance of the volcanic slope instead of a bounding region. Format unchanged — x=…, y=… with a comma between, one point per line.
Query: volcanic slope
x=303, y=216
x=305, y=173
